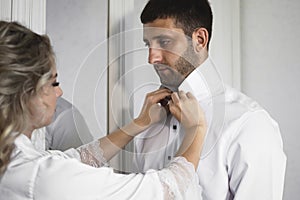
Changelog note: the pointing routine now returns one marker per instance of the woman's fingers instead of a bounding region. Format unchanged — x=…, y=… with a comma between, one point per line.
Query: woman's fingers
x=185, y=108
x=151, y=112
x=182, y=95
x=158, y=95
x=175, y=97
x=190, y=95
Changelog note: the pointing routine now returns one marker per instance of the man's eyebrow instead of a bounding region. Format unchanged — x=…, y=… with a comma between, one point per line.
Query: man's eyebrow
x=161, y=36
x=158, y=37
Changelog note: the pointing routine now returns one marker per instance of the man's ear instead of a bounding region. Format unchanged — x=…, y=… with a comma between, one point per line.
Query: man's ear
x=200, y=39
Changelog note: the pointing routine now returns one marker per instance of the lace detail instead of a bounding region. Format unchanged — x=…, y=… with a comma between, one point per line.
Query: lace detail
x=92, y=154
x=176, y=178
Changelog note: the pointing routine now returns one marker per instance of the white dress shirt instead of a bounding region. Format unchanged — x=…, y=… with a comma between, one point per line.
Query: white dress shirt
x=68, y=128
x=242, y=157
x=56, y=175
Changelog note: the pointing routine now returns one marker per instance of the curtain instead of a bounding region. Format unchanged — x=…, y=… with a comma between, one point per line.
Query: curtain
x=30, y=13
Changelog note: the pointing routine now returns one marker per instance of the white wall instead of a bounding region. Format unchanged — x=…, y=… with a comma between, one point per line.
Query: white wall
x=225, y=41
x=78, y=31
x=271, y=71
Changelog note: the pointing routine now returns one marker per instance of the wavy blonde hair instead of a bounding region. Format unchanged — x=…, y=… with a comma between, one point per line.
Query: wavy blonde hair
x=26, y=60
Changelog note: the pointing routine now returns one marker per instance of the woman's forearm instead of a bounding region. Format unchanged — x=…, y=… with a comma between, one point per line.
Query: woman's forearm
x=115, y=141
x=192, y=144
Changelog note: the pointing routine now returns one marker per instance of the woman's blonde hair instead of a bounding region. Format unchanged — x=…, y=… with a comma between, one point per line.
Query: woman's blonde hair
x=26, y=60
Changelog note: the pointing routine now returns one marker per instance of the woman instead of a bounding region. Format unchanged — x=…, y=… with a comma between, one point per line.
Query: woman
x=28, y=94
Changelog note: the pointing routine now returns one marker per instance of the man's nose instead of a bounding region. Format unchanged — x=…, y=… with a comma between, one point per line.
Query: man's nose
x=155, y=56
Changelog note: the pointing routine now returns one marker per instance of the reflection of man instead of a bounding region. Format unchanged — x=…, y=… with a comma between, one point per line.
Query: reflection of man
x=67, y=130
x=242, y=157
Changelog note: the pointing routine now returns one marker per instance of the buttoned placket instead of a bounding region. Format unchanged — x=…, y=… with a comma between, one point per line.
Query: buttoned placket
x=174, y=131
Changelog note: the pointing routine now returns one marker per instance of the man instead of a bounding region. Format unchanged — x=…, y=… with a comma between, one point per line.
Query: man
x=67, y=130
x=242, y=157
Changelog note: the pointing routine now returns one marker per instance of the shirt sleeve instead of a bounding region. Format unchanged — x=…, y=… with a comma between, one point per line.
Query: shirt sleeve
x=59, y=178
x=69, y=130
x=256, y=161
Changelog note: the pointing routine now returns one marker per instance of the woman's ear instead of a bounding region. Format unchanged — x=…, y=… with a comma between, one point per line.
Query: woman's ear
x=200, y=38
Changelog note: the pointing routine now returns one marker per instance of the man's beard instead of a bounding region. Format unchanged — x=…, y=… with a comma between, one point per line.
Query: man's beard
x=184, y=65
x=187, y=62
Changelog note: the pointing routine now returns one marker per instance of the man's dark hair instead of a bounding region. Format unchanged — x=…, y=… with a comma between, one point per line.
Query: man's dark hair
x=188, y=14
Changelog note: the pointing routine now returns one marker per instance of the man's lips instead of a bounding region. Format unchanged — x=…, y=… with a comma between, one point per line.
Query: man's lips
x=161, y=67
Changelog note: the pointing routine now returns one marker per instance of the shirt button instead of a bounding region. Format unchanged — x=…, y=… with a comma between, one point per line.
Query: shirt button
x=174, y=127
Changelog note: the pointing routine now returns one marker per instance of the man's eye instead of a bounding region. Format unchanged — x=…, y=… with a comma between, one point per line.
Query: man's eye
x=55, y=84
x=164, y=43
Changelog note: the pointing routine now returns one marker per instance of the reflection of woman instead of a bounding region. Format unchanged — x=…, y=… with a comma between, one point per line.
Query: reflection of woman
x=28, y=94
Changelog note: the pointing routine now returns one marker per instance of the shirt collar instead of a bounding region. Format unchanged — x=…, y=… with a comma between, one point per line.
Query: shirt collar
x=204, y=82
x=24, y=144
x=196, y=83
x=23, y=140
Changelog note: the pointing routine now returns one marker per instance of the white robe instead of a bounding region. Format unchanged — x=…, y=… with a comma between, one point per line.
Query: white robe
x=56, y=175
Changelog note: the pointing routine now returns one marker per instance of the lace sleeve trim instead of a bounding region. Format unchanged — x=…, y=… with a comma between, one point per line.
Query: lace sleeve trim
x=176, y=178
x=91, y=154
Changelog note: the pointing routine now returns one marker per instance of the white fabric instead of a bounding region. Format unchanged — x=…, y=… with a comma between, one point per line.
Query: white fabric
x=38, y=139
x=49, y=175
x=242, y=157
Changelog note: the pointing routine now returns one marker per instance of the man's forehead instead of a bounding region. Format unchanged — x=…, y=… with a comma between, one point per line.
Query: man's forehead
x=163, y=23
x=152, y=32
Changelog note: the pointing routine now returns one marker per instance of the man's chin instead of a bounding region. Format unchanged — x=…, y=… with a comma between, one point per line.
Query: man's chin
x=172, y=84
x=171, y=87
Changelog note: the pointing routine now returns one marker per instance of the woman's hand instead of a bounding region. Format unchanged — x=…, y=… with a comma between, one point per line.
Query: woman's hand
x=185, y=108
x=152, y=112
